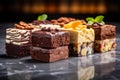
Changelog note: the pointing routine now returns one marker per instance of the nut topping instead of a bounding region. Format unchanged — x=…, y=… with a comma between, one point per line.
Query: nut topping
x=24, y=25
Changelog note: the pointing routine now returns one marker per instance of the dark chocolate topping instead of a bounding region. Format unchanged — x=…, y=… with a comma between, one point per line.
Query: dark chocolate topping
x=95, y=24
x=36, y=22
x=50, y=29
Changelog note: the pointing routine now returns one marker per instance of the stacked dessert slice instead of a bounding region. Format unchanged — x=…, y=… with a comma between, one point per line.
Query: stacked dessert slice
x=81, y=38
x=105, y=34
x=18, y=40
x=105, y=37
x=50, y=44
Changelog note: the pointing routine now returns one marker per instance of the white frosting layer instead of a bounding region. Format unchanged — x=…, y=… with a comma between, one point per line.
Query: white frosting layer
x=50, y=26
x=17, y=35
x=16, y=43
x=40, y=26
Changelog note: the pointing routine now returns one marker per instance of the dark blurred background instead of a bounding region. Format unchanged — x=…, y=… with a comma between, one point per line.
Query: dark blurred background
x=28, y=10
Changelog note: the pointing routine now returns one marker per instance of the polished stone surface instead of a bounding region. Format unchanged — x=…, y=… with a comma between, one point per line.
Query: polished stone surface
x=105, y=66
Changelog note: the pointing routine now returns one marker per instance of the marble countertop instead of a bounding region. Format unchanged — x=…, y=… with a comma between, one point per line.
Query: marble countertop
x=105, y=66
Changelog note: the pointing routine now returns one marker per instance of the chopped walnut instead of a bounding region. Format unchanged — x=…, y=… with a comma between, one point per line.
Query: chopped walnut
x=62, y=21
x=24, y=25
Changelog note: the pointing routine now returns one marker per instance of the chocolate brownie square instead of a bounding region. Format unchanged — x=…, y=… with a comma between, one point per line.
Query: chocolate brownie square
x=50, y=39
x=49, y=55
x=18, y=42
x=104, y=32
x=18, y=51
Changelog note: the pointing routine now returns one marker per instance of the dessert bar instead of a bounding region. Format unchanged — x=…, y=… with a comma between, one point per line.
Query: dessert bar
x=81, y=38
x=50, y=44
x=48, y=38
x=49, y=55
x=18, y=40
x=105, y=37
x=105, y=34
x=105, y=45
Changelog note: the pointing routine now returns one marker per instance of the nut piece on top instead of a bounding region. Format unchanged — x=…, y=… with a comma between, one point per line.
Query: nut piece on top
x=50, y=44
x=40, y=22
x=81, y=38
x=105, y=34
x=18, y=40
x=62, y=21
x=24, y=25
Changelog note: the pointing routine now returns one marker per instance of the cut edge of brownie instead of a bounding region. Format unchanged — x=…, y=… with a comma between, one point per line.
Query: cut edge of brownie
x=105, y=32
x=46, y=40
x=17, y=51
x=49, y=55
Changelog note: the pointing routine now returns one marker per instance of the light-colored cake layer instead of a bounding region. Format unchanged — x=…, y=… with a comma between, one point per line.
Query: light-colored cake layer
x=80, y=36
x=105, y=45
x=50, y=26
x=40, y=26
x=86, y=48
x=17, y=35
x=79, y=33
x=16, y=43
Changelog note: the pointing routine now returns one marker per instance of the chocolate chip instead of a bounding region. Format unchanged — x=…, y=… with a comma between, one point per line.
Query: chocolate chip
x=36, y=22
x=89, y=26
x=97, y=24
x=53, y=32
x=56, y=29
x=44, y=29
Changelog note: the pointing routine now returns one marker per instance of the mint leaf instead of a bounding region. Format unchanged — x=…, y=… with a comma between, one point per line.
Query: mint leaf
x=42, y=17
x=90, y=19
x=99, y=19
x=102, y=23
x=39, y=18
x=90, y=22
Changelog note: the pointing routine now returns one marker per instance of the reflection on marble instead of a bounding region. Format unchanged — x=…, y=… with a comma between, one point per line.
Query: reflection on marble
x=75, y=68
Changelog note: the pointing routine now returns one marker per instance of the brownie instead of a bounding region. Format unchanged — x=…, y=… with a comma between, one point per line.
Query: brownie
x=49, y=55
x=18, y=40
x=50, y=39
x=104, y=32
x=18, y=50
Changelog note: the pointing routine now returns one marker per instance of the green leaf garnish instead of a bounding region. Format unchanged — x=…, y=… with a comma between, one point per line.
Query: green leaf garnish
x=90, y=22
x=102, y=22
x=90, y=19
x=42, y=17
x=98, y=19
